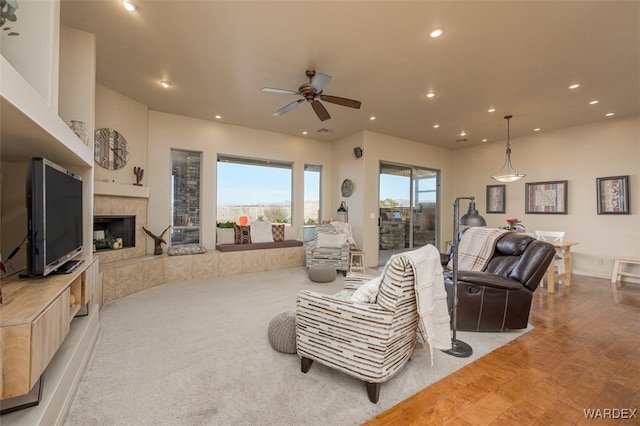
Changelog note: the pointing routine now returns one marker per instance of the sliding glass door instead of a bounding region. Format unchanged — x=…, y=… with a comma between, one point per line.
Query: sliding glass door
x=408, y=208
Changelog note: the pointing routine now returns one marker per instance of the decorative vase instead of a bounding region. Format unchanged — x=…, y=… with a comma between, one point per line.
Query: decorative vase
x=80, y=129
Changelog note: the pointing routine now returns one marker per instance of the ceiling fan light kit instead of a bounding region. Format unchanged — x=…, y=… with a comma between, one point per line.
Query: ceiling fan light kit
x=507, y=173
x=310, y=92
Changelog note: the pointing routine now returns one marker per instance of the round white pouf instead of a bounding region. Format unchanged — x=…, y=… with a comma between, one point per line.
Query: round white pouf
x=282, y=332
x=322, y=273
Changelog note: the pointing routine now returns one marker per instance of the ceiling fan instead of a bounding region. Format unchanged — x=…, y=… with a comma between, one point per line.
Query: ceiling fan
x=309, y=92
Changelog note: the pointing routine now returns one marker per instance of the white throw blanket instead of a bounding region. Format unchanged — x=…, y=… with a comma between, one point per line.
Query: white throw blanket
x=476, y=248
x=431, y=297
x=345, y=228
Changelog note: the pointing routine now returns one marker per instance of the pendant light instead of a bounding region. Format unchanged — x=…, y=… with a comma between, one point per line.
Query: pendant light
x=507, y=173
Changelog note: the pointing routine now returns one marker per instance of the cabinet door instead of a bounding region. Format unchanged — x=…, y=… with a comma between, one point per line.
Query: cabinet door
x=47, y=333
x=91, y=293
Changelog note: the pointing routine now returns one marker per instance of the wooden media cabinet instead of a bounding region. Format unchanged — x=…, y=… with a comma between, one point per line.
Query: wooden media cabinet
x=35, y=317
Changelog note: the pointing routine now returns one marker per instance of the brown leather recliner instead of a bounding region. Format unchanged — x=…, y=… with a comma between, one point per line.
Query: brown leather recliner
x=499, y=298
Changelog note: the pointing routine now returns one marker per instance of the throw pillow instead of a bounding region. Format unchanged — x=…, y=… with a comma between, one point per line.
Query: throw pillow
x=367, y=292
x=225, y=236
x=326, y=240
x=186, y=249
x=278, y=232
x=241, y=234
x=290, y=233
x=261, y=232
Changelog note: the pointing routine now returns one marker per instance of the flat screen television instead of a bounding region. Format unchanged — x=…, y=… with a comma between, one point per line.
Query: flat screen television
x=54, y=208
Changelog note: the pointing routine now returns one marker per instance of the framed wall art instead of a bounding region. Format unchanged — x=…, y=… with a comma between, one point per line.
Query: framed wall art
x=496, y=198
x=546, y=197
x=613, y=195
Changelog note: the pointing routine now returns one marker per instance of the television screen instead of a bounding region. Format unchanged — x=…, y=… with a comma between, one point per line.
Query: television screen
x=55, y=216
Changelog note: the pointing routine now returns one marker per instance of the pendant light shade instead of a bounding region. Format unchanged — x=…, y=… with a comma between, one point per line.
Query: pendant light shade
x=507, y=173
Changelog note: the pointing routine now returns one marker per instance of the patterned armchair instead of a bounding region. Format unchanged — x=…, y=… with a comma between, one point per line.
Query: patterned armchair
x=325, y=249
x=369, y=341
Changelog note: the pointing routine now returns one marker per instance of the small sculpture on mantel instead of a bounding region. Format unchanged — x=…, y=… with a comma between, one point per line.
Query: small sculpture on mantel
x=139, y=173
x=157, y=239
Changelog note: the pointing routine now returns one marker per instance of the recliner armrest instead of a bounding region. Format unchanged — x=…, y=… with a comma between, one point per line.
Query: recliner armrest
x=488, y=279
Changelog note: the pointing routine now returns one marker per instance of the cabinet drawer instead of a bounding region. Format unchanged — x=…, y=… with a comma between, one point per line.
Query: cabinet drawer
x=47, y=333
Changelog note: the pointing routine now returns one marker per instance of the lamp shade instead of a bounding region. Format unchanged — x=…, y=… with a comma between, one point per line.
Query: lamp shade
x=472, y=217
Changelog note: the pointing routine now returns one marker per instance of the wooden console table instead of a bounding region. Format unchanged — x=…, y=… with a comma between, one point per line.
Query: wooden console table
x=563, y=249
x=35, y=318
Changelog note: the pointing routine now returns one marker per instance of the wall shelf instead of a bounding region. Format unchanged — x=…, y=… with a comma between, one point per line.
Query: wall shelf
x=113, y=189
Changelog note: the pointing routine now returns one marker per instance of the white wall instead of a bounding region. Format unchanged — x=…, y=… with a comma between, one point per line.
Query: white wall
x=365, y=171
x=130, y=119
x=168, y=131
x=578, y=155
x=35, y=52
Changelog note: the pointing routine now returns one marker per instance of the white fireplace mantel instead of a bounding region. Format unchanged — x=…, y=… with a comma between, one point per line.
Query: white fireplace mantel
x=113, y=189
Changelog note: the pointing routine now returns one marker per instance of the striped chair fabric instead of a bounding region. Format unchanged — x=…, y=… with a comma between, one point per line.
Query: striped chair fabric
x=338, y=258
x=371, y=342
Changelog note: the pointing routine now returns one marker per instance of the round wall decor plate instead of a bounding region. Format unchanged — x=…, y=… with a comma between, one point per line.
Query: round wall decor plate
x=347, y=188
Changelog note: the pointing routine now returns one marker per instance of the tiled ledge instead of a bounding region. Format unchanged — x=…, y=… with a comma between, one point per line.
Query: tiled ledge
x=124, y=277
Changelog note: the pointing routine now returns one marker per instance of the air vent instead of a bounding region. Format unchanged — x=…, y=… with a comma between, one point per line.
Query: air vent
x=325, y=130
x=462, y=140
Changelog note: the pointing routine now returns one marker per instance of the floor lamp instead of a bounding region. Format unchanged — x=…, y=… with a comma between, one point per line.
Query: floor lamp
x=471, y=218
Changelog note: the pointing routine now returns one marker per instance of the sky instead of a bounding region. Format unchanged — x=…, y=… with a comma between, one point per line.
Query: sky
x=241, y=184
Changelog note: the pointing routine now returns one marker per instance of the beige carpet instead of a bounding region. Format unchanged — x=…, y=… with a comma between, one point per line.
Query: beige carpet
x=197, y=353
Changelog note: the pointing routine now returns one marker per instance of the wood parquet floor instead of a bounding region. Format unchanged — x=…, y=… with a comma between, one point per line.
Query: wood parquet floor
x=584, y=353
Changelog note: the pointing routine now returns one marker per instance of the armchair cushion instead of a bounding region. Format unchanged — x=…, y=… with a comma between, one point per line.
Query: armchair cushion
x=367, y=292
x=326, y=240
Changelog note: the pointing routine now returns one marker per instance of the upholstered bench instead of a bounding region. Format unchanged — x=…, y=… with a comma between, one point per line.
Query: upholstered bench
x=282, y=332
x=322, y=273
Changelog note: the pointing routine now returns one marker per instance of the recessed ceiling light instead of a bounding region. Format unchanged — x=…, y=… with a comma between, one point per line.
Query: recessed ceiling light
x=610, y=114
x=431, y=95
x=218, y=117
x=574, y=86
x=594, y=102
x=491, y=110
x=484, y=140
x=435, y=126
x=436, y=33
x=165, y=83
x=463, y=133
x=304, y=133
x=129, y=5
x=537, y=129
x=372, y=118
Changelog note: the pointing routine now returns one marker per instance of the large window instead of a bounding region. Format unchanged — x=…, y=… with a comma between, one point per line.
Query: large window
x=185, y=197
x=312, y=179
x=258, y=189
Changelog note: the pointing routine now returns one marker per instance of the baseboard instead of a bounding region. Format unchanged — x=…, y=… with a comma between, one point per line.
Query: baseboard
x=62, y=376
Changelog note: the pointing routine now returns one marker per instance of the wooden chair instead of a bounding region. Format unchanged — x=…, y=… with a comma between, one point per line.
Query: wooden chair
x=553, y=237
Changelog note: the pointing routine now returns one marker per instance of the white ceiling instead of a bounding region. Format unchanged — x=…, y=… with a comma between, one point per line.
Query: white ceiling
x=518, y=57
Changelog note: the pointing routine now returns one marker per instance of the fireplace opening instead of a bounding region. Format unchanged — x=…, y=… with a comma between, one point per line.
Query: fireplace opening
x=107, y=230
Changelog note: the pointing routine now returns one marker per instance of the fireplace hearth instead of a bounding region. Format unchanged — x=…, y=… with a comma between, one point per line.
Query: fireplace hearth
x=107, y=229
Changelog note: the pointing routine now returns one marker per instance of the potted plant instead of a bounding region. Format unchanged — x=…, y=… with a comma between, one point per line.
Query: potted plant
x=8, y=13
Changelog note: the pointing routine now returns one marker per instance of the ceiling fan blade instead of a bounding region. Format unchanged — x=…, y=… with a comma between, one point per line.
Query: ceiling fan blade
x=288, y=107
x=320, y=110
x=283, y=91
x=341, y=101
x=319, y=81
